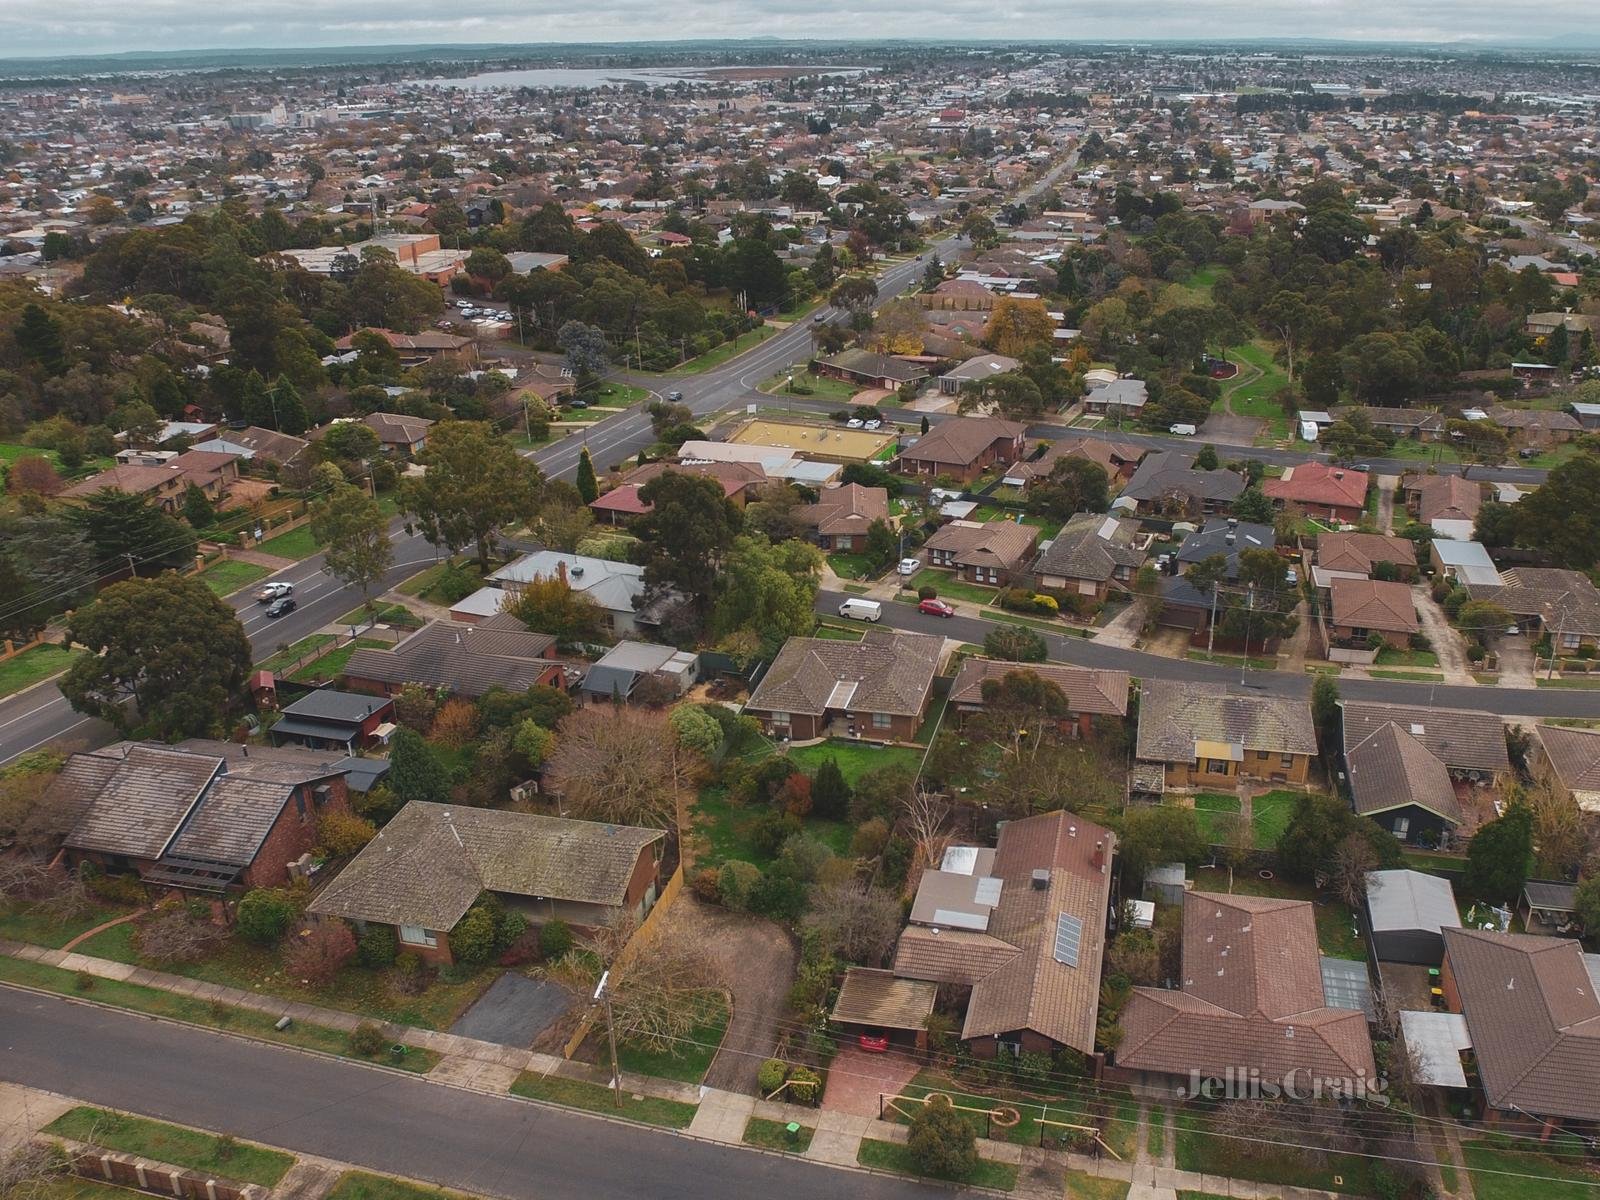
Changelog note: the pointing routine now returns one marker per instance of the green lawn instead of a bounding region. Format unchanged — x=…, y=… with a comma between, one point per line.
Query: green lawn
x=728, y=831
x=173, y=1144
x=1413, y=676
x=1422, y=860
x=1390, y=657
x=359, y=1185
x=229, y=575
x=1500, y=1174
x=21, y=924
x=1156, y=1133
x=821, y=387
x=297, y=543
x=774, y=1135
x=687, y=1061
x=852, y=566
x=34, y=666
x=947, y=585
x=1209, y=807
x=855, y=759
x=295, y=651
x=718, y=355
x=1269, y=817
x=1080, y=1185
x=891, y=1156
x=621, y=395
x=1197, y=1149
x=425, y=584
x=332, y=664
x=592, y=1097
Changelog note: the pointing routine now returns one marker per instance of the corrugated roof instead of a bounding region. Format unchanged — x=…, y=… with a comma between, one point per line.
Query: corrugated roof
x=1410, y=900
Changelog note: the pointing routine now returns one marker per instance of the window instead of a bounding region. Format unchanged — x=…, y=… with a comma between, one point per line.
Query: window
x=1570, y=640
x=1402, y=826
x=880, y=720
x=1216, y=766
x=416, y=935
x=300, y=804
x=1286, y=761
x=780, y=718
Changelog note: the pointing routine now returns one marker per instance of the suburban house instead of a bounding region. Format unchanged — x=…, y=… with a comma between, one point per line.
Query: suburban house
x=1570, y=759
x=1365, y=553
x=1543, y=324
x=975, y=372
x=628, y=664
x=1187, y=606
x=1118, y=460
x=328, y=720
x=1536, y=426
x=1090, y=556
x=1359, y=608
x=1533, y=1023
x=413, y=348
x=992, y=552
x=1408, y=912
x=254, y=444
x=869, y=370
x=1548, y=600
x=1410, y=766
x=1467, y=563
x=1123, y=399
x=878, y=689
x=621, y=504
x=1022, y=926
x=398, y=432
x=1208, y=736
x=429, y=865
x=1089, y=693
x=194, y=821
x=464, y=659
x=163, y=477
x=1324, y=491
x=964, y=447
x=1254, y=999
x=1420, y=424
x=1431, y=498
x=842, y=515
x=616, y=587
x=1167, y=483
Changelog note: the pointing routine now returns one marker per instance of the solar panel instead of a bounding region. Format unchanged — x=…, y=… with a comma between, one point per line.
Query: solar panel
x=1069, y=939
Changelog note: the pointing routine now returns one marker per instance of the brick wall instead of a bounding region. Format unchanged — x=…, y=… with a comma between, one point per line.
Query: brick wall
x=293, y=835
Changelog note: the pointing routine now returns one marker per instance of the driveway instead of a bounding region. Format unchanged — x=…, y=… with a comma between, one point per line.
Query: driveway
x=1229, y=429
x=857, y=1079
x=514, y=1011
x=1386, y=487
x=1446, y=642
x=1516, y=662
x=756, y=962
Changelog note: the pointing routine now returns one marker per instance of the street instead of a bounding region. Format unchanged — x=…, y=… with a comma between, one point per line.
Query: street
x=471, y=1141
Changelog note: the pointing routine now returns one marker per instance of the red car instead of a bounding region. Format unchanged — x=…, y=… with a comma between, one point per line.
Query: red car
x=875, y=1042
x=936, y=608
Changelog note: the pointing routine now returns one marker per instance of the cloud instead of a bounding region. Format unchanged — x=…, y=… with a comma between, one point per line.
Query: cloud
x=99, y=26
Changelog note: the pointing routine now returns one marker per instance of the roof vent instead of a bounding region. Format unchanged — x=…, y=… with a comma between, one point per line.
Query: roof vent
x=1417, y=729
x=1289, y=1032
x=1072, y=831
x=1040, y=879
x=577, y=572
x=1338, y=474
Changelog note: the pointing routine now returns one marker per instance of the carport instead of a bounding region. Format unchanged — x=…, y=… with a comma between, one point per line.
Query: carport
x=878, y=1001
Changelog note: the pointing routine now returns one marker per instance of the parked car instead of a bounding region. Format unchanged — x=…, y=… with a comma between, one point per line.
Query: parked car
x=874, y=424
x=936, y=608
x=675, y=396
x=854, y=423
x=281, y=607
x=875, y=1041
x=272, y=591
x=577, y=404
x=1181, y=429
x=861, y=610
x=909, y=566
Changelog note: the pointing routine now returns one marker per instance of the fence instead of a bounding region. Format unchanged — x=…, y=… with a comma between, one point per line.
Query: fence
x=370, y=631
x=159, y=1179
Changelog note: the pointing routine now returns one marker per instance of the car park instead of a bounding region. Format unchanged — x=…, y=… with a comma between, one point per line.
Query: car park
x=936, y=608
x=281, y=607
x=272, y=591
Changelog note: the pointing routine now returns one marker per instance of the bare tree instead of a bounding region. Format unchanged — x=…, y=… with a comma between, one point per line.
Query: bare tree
x=30, y=1170
x=172, y=934
x=927, y=816
x=853, y=920
x=1236, y=842
x=29, y=815
x=661, y=992
x=621, y=765
x=1352, y=858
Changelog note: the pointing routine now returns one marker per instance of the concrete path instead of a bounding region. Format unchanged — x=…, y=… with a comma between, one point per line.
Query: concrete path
x=1516, y=663
x=89, y=933
x=1386, y=487
x=24, y=1111
x=1123, y=629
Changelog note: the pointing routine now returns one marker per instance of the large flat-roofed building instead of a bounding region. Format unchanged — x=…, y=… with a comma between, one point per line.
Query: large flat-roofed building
x=833, y=443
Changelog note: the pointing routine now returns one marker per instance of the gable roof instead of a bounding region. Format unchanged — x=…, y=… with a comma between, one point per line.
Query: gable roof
x=1411, y=900
x=883, y=672
x=1362, y=551
x=1252, y=997
x=857, y=361
x=1090, y=546
x=1086, y=690
x=1003, y=544
x=1390, y=769
x=469, y=659
x=1530, y=1006
x=1318, y=483
x=1174, y=715
x=1462, y=739
x=1557, y=596
x=142, y=801
x=1574, y=756
x=1173, y=472
x=430, y=863
x=961, y=440
x=1444, y=497
x=1373, y=604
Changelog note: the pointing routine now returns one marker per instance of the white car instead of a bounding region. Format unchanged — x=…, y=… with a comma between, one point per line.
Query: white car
x=909, y=566
x=274, y=591
x=874, y=424
x=463, y=305
x=854, y=423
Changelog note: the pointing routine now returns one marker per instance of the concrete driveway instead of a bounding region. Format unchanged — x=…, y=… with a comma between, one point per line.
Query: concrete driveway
x=1446, y=642
x=1516, y=662
x=1229, y=429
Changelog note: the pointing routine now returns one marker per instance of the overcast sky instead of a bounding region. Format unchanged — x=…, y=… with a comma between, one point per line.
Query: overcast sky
x=104, y=26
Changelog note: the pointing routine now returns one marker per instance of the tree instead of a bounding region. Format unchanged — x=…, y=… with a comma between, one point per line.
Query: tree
x=315, y=954
x=1353, y=858
x=549, y=605
x=1016, y=326
x=127, y=532
x=168, y=644
x=487, y=263
x=1234, y=841
x=1206, y=460
x=1325, y=709
x=355, y=538
x=1152, y=836
x=39, y=339
x=588, y=486
x=1015, y=643
x=941, y=1141
x=585, y=347
x=1586, y=903
x=690, y=526
x=475, y=483
x=830, y=794
x=696, y=729
x=1317, y=826
x=197, y=508
x=1558, y=833
x=657, y=999
x=264, y=915
x=623, y=766
x=1500, y=856
x=415, y=772
x=33, y=473
x=1253, y=505
x=1074, y=485
x=856, y=294
x=1147, y=591
x=1562, y=516
x=852, y=921
x=1010, y=394
x=768, y=590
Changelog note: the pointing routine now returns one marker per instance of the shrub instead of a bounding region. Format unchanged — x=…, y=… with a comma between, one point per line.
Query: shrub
x=409, y=976
x=367, y=1040
x=341, y=834
x=805, y=1085
x=555, y=938
x=1476, y=653
x=472, y=939
x=509, y=925
x=173, y=934
x=455, y=584
x=264, y=916
x=704, y=885
x=83, y=981
x=777, y=894
x=869, y=838
x=794, y=797
x=1419, y=641
x=771, y=830
x=1014, y=643
x=378, y=946
x=942, y=1142
x=456, y=724
x=770, y=1076
x=316, y=953
x=734, y=883
x=927, y=592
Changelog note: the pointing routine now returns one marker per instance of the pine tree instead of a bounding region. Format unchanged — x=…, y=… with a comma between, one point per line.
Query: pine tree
x=197, y=508
x=830, y=794
x=415, y=772
x=588, y=485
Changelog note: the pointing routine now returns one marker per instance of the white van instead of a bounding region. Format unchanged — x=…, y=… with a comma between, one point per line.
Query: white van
x=861, y=610
x=1181, y=430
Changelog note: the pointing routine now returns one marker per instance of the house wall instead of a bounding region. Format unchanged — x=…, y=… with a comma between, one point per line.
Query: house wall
x=1266, y=766
x=294, y=833
x=1031, y=1042
x=1391, y=637
x=1420, y=946
x=859, y=725
x=1098, y=588
x=800, y=727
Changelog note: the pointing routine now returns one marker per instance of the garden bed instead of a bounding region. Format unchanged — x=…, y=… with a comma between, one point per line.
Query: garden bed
x=891, y=1156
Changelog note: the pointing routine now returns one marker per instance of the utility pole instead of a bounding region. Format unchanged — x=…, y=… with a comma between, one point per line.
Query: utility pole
x=1211, y=630
x=603, y=994
x=1250, y=606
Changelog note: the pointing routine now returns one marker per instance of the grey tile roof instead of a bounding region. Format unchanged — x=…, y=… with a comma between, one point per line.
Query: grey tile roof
x=1560, y=598
x=143, y=802
x=468, y=659
x=1574, y=755
x=1002, y=544
x=1086, y=690
x=1172, y=472
x=892, y=673
x=1391, y=768
x=232, y=821
x=428, y=865
x=1090, y=546
x=344, y=708
x=1462, y=739
x=1173, y=715
x=960, y=441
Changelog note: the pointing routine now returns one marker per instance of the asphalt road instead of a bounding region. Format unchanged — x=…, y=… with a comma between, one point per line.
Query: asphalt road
x=1523, y=702
x=480, y=1144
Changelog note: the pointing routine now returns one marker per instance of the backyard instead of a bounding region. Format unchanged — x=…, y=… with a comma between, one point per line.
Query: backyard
x=332, y=664
x=1337, y=935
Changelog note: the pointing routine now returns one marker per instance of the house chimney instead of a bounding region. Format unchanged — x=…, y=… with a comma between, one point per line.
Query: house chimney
x=1098, y=862
x=1338, y=474
x=561, y=569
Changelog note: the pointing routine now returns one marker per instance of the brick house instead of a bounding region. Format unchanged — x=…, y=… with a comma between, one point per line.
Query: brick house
x=194, y=821
x=842, y=515
x=465, y=658
x=1089, y=693
x=1091, y=556
x=1336, y=493
x=878, y=688
x=991, y=552
x=432, y=862
x=1362, y=553
x=1570, y=760
x=1209, y=737
x=326, y=719
x=866, y=369
x=964, y=447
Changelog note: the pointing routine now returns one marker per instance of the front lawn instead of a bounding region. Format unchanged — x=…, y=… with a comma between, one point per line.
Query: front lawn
x=21, y=923
x=853, y=566
x=426, y=584
x=1270, y=813
x=774, y=1135
x=819, y=386
x=1080, y=1185
x=1503, y=1174
x=1197, y=1148
x=34, y=666
x=592, y=1097
x=947, y=584
x=297, y=543
x=332, y=664
x=1390, y=657
x=891, y=1156
x=157, y=1140
x=687, y=1061
x=229, y=575
x=293, y=653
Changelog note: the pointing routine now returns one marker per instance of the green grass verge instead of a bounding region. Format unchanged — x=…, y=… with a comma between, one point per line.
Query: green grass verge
x=21, y=923
x=1196, y=1149
x=837, y=633
x=1155, y=1142
x=774, y=1135
x=333, y=663
x=173, y=1144
x=891, y=1156
x=1390, y=657
x=297, y=543
x=230, y=575
x=592, y=1097
x=1232, y=660
x=360, y=1185
x=1080, y=1185
x=718, y=355
x=687, y=1061
x=947, y=585
x=1579, y=684
x=1502, y=1174
x=1413, y=676
x=157, y=1003
x=34, y=666
x=295, y=651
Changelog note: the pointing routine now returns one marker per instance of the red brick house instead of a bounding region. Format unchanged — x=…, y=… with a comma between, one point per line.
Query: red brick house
x=1336, y=493
x=464, y=658
x=429, y=865
x=876, y=689
x=1089, y=693
x=1362, y=607
x=194, y=821
x=991, y=552
x=964, y=447
x=842, y=515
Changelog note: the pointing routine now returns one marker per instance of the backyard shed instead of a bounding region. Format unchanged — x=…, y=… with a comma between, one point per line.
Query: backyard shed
x=1407, y=911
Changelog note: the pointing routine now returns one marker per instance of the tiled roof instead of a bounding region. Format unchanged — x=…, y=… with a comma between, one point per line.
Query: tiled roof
x=1003, y=544
x=1462, y=739
x=1318, y=483
x=1086, y=690
x=143, y=801
x=1361, y=551
x=430, y=863
x=1251, y=997
x=1373, y=604
x=397, y=427
x=1391, y=768
x=467, y=659
x=849, y=508
x=1530, y=1006
x=1574, y=755
x=959, y=441
x=1561, y=598
x=1174, y=715
x=1090, y=546
x=1446, y=497
x=1171, y=472
x=892, y=673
